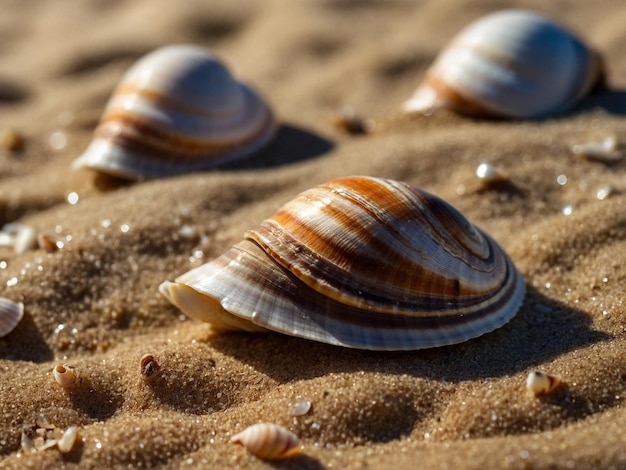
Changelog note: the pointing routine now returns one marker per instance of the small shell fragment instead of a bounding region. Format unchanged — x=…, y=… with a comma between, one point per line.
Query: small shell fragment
x=349, y=121
x=21, y=237
x=269, y=441
x=66, y=376
x=66, y=442
x=10, y=315
x=540, y=383
x=300, y=408
x=606, y=151
x=11, y=140
x=149, y=367
x=49, y=242
x=489, y=174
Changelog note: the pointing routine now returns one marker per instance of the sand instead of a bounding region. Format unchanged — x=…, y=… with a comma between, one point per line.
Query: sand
x=95, y=303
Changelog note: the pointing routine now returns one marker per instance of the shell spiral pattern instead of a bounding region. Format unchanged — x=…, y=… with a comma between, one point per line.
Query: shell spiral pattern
x=177, y=110
x=269, y=441
x=359, y=262
x=511, y=63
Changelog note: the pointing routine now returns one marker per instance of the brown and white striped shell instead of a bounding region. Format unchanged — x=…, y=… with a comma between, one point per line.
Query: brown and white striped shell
x=269, y=441
x=359, y=262
x=177, y=110
x=511, y=63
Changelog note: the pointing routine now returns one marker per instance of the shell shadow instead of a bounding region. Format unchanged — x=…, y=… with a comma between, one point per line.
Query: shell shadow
x=612, y=101
x=543, y=329
x=25, y=343
x=290, y=145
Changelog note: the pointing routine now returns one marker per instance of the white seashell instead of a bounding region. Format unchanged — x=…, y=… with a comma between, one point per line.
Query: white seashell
x=359, y=262
x=605, y=151
x=18, y=236
x=66, y=442
x=66, y=376
x=489, y=174
x=511, y=63
x=269, y=441
x=10, y=315
x=540, y=383
x=300, y=409
x=177, y=110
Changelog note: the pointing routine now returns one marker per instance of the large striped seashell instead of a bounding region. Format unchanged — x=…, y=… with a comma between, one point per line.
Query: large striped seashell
x=359, y=262
x=512, y=63
x=10, y=315
x=177, y=110
x=269, y=441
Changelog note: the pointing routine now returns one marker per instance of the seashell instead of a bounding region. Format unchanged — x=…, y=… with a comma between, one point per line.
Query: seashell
x=177, y=110
x=540, y=383
x=605, y=151
x=49, y=242
x=359, y=262
x=269, y=441
x=66, y=376
x=10, y=315
x=149, y=367
x=66, y=442
x=18, y=236
x=300, y=408
x=511, y=63
x=490, y=175
x=349, y=121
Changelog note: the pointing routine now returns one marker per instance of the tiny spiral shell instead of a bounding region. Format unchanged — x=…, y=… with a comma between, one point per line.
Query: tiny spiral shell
x=149, y=367
x=540, y=383
x=66, y=375
x=177, y=110
x=269, y=441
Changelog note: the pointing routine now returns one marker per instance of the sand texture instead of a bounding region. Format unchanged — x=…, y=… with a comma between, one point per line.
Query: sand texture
x=95, y=302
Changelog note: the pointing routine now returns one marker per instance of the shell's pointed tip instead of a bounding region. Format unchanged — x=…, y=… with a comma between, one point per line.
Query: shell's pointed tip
x=424, y=101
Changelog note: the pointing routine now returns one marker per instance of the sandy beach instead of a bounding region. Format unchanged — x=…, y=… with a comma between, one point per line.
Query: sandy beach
x=95, y=302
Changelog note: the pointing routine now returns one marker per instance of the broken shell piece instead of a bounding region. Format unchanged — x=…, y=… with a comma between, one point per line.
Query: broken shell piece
x=66, y=376
x=300, y=408
x=66, y=442
x=269, y=441
x=10, y=315
x=489, y=174
x=11, y=140
x=149, y=367
x=540, y=383
x=20, y=237
x=605, y=151
x=349, y=121
x=49, y=242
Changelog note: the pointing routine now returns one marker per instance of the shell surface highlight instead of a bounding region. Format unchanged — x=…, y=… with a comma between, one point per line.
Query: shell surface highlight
x=10, y=315
x=511, y=63
x=359, y=262
x=269, y=441
x=177, y=110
